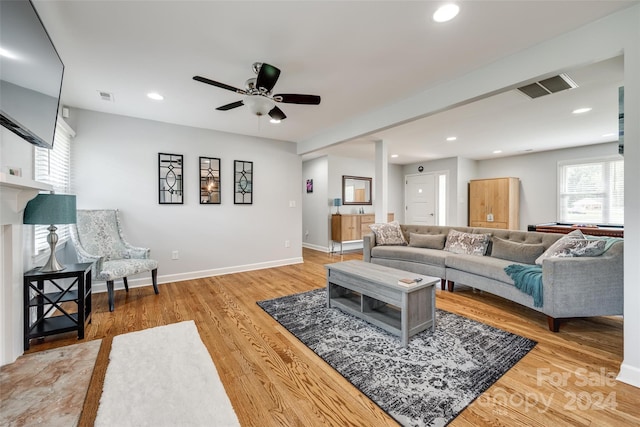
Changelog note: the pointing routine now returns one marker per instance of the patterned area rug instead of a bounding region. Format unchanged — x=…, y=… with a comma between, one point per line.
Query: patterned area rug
x=429, y=382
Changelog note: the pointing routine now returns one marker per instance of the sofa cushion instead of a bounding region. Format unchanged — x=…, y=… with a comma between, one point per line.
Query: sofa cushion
x=406, y=253
x=430, y=241
x=467, y=243
x=388, y=234
x=524, y=253
x=490, y=267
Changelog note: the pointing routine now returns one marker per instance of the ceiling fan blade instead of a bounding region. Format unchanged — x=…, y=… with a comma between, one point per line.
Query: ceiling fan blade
x=231, y=106
x=277, y=114
x=218, y=84
x=294, y=98
x=267, y=77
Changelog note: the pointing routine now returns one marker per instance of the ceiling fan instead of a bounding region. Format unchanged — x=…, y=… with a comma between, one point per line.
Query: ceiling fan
x=258, y=93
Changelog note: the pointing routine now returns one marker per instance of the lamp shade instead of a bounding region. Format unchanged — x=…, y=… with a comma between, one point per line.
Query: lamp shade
x=337, y=202
x=51, y=209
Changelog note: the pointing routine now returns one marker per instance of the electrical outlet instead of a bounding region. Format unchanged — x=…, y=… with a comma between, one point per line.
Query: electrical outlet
x=287, y=244
x=490, y=217
x=175, y=255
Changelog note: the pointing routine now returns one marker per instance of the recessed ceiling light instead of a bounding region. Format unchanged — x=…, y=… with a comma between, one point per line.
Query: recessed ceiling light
x=581, y=110
x=275, y=121
x=446, y=13
x=497, y=151
x=155, y=96
x=394, y=156
x=452, y=138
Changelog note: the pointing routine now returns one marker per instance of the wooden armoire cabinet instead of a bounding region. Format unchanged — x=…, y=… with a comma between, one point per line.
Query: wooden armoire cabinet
x=494, y=203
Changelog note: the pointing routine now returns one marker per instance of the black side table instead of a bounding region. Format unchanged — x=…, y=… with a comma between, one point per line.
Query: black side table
x=49, y=301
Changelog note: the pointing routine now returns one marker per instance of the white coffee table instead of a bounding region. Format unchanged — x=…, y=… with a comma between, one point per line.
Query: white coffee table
x=372, y=293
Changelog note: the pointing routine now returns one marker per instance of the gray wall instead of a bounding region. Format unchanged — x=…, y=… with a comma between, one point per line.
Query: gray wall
x=115, y=165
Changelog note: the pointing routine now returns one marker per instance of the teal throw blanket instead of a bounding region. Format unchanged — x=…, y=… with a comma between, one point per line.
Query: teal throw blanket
x=528, y=279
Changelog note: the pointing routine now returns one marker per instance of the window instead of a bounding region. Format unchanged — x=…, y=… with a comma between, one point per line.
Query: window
x=591, y=192
x=54, y=167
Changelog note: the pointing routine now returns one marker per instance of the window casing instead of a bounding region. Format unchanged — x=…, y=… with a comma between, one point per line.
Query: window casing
x=54, y=167
x=591, y=191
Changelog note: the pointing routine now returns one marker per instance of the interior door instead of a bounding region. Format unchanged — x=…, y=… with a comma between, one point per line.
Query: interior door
x=420, y=197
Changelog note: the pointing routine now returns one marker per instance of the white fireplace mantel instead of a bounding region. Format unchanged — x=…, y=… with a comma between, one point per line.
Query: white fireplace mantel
x=15, y=192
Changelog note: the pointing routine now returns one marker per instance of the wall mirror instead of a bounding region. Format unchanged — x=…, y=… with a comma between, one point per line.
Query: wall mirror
x=209, y=180
x=170, y=178
x=356, y=190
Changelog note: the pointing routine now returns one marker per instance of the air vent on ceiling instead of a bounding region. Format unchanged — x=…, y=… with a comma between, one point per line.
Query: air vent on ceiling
x=105, y=96
x=547, y=86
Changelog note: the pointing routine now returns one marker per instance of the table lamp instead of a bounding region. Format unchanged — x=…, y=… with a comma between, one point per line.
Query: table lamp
x=337, y=203
x=51, y=209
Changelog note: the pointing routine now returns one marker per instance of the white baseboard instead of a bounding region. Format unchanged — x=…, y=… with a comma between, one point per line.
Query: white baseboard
x=629, y=375
x=316, y=247
x=145, y=278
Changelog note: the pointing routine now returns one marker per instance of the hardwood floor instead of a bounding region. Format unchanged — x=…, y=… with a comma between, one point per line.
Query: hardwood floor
x=274, y=380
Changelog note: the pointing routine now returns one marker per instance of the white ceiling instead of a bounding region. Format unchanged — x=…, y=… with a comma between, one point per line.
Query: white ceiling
x=358, y=56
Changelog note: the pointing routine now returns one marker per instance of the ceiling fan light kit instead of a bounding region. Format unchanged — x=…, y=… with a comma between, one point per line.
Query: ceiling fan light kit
x=259, y=105
x=258, y=93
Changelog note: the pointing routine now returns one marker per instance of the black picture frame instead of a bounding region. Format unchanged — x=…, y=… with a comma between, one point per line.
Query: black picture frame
x=170, y=179
x=210, y=184
x=310, y=186
x=242, y=182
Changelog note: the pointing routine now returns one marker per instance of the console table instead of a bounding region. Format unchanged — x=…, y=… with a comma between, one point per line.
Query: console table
x=351, y=227
x=61, y=301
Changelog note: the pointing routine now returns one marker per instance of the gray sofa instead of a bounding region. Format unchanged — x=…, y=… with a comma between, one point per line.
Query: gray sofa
x=572, y=286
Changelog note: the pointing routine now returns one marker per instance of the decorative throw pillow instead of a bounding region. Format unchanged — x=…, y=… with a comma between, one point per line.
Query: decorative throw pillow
x=429, y=241
x=388, y=234
x=524, y=253
x=575, y=248
x=572, y=245
x=459, y=242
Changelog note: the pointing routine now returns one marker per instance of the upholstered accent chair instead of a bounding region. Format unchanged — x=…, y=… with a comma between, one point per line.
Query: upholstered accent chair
x=98, y=238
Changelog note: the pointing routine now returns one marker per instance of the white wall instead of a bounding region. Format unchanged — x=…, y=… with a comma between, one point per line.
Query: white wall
x=115, y=165
x=395, y=191
x=316, y=206
x=538, y=177
x=326, y=173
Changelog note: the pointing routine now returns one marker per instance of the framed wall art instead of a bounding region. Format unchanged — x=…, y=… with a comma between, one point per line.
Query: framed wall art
x=242, y=182
x=170, y=183
x=209, y=180
x=309, y=186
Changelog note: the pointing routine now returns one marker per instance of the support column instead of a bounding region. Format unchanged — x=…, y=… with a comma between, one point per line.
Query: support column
x=630, y=368
x=381, y=182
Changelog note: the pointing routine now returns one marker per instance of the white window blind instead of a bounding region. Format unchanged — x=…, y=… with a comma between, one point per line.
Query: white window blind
x=591, y=192
x=54, y=167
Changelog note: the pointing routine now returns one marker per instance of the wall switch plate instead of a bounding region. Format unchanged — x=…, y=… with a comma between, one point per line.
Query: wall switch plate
x=287, y=244
x=175, y=255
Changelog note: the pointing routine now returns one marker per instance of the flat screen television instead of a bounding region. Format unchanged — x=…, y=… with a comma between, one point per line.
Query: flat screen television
x=30, y=74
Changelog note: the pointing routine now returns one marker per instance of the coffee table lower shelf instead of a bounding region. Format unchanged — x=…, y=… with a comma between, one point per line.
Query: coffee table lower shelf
x=383, y=316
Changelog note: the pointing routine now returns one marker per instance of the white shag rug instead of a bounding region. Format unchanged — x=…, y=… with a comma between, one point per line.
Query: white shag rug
x=163, y=376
